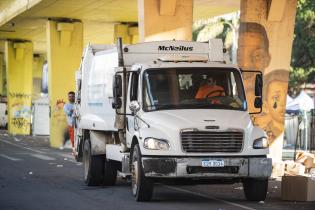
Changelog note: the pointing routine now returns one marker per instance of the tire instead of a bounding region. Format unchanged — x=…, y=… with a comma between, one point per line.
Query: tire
x=142, y=187
x=93, y=166
x=110, y=173
x=255, y=189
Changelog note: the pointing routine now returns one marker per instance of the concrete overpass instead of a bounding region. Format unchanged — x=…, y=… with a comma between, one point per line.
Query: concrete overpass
x=57, y=30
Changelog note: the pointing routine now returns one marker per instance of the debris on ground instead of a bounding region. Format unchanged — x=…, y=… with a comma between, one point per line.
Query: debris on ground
x=303, y=164
x=298, y=183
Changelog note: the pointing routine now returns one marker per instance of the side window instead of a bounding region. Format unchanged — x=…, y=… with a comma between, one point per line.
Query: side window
x=134, y=86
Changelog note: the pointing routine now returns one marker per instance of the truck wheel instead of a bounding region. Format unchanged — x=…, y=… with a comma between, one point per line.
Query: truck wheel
x=142, y=187
x=110, y=173
x=93, y=166
x=255, y=189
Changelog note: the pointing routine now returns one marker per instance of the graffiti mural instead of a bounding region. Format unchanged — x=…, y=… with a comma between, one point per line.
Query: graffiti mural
x=253, y=54
x=274, y=101
x=19, y=112
x=58, y=113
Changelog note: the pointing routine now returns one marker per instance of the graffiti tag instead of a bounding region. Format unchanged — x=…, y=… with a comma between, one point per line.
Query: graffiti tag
x=20, y=123
x=20, y=95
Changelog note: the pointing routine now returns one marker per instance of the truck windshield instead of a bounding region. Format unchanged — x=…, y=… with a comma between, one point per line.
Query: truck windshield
x=193, y=88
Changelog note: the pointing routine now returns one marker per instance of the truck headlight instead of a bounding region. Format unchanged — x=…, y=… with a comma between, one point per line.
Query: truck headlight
x=156, y=144
x=261, y=143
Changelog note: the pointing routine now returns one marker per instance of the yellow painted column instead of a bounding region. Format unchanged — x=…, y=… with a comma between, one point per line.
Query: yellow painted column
x=265, y=43
x=129, y=34
x=19, y=64
x=133, y=32
x=38, y=62
x=165, y=19
x=121, y=30
x=64, y=51
x=2, y=74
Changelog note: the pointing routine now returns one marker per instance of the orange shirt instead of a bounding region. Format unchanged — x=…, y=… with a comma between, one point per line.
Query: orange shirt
x=206, y=89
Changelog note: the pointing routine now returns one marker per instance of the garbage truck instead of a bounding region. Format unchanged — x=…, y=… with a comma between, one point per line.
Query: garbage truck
x=168, y=111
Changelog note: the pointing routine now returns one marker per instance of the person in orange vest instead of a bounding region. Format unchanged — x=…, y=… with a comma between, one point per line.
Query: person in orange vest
x=209, y=89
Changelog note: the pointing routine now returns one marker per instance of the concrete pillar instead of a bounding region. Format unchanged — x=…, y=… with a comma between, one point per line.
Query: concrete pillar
x=64, y=51
x=2, y=74
x=265, y=43
x=19, y=64
x=165, y=19
x=133, y=32
x=38, y=62
x=121, y=30
x=129, y=34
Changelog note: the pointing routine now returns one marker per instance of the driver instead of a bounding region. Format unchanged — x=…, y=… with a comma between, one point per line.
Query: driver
x=209, y=89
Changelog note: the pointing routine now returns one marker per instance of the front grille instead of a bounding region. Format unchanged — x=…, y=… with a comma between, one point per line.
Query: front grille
x=205, y=141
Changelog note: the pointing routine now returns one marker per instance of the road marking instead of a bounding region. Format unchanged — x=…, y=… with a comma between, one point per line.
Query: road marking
x=209, y=197
x=27, y=148
x=10, y=158
x=42, y=157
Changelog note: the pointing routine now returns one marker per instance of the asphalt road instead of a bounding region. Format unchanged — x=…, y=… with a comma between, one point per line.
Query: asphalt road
x=35, y=176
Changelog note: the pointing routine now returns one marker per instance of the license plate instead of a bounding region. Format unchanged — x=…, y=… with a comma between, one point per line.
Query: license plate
x=212, y=163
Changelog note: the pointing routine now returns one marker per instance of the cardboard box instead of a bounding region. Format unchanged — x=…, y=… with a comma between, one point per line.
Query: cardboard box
x=297, y=188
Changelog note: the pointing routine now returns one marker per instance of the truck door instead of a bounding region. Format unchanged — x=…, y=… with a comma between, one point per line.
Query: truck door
x=132, y=95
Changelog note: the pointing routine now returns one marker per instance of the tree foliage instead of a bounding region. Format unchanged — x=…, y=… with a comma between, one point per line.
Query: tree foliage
x=303, y=52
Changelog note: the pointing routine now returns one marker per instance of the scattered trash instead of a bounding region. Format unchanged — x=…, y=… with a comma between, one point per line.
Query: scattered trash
x=261, y=202
x=302, y=166
x=16, y=139
x=275, y=187
x=59, y=166
x=79, y=164
x=52, y=163
x=30, y=173
x=65, y=159
x=238, y=188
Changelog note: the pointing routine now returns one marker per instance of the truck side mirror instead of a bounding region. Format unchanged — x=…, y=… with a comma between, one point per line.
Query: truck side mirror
x=258, y=85
x=258, y=103
x=117, y=103
x=117, y=86
x=117, y=92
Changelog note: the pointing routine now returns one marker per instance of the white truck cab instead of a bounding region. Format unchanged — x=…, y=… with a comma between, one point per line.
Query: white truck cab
x=168, y=110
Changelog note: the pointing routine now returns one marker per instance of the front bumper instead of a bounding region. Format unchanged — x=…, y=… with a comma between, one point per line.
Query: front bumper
x=190, y=167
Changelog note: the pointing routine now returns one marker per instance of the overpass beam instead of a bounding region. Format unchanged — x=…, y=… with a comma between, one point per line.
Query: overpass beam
x=64, y=50
x=19, y=64
x=265, y=44
x=165, y=20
